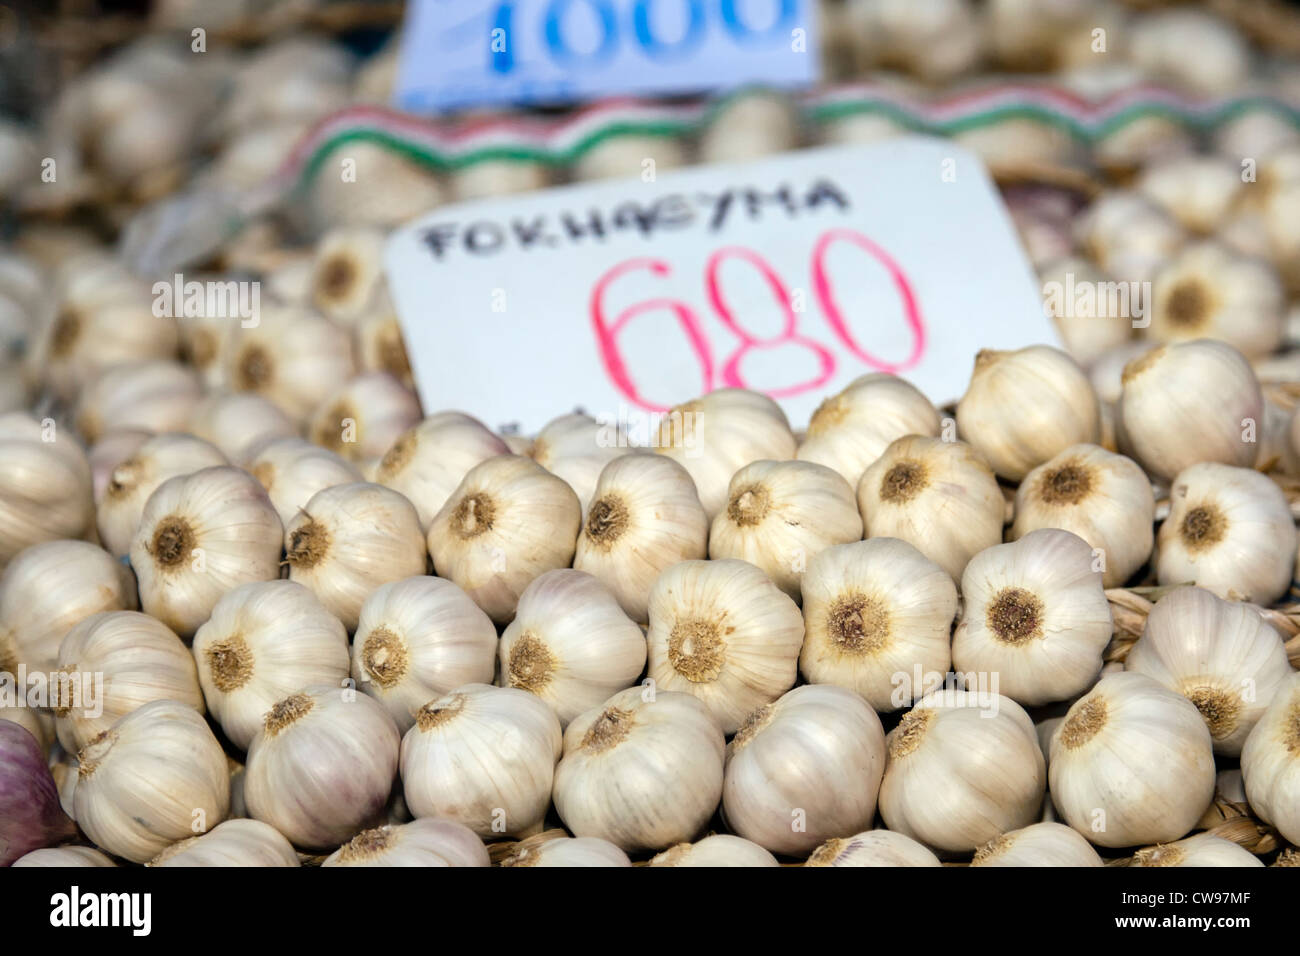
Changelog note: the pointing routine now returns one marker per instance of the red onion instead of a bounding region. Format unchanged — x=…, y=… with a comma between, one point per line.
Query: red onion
x=30, y=814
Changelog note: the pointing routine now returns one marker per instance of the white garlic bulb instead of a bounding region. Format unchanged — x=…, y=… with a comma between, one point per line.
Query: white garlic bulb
x=431, y=459
x=1229, y=530
x=64, y=856
x=873, y=848
x=157, y=396
x=941, y=497
x=602, y=788
x=498, y=177
x=113, y=448
x=874, y=610
x=721, y=849
x=508, y=521
x=1128, y=235
x=1189, y=402
x=347, y=272
x=1104, y=498
x=232, y=843
x=546, y=849
x=630, y=155
x=851, y=429
x=264, y=641
x=714, y=436
x=1088, y=325
x=570, y=644
x=643, y=516
x=380, y=346
x=156, y=776
x=722, y=632
x=1192, y=49
x=483, y=756
x=364, y=417
x=962, y=768
x=134, y=660
x=750, y=125
x=45, y=486
x=935, y=40
x=803, y=769
x=1204, y=849
x=1197, y=190
x=293, y=470
x=322, y=766
x=398, y=189
x=1132, y=763
x=418, y=639
x=201, y=535
x=577, y=448
x=1270, y=762
x=1039, y=844
x=782, y=514
x=1222, y=656
x=348, y=540
x=239, y=423
x=425, y=842
x=292, y=357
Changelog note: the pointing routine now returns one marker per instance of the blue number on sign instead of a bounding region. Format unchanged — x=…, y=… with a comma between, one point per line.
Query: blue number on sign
x=744, y=33
x=555, y=41
x=656, y=48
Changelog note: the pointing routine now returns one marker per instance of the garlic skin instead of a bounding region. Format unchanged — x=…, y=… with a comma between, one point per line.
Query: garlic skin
x=1039, y=844
x=156, y=396
x=1204, y=849
x=1223, y=657
x=874, y=610
x=721, y=849
x=322, y=766
x=201, y=535
x=804, y=768
x=851, y=429
x=293, y=470
x=418, y=639
x=1132, y=763
x=1197, y=190
x=547, y=850
x=64, y=856
x=138, y=659
x=750, y=125
x=643, y=516
x=570, y=644
x=156, y=776
x=628, y=156
x=782, y=514
x=363, y=418
x=36, y=721
x=1219, y=60
x=941, y=497
x=292, y=357
x=427, y=462
x=873, y=848
x=714, y=436
x=1104, y=498
x=425, y=842
x=1022, y=408
x=1270, y=762
x=380, y=346
x=722, y=632
x=45, y=487
x=1186, y=403
x=507, y=522
x=1230, y=531
x=498, y=177
x=483, y=756
x=263, y=642
x=239, y=423
x=138, y=476
x=935, y=40
x=1128, y=235
x=232, y=843
x=47, y=590
x=350, y=539
x=577, y=448
x=607, y=748
x=949, y=752
x=113, y=448
x=347, y=272
x=1088, y=327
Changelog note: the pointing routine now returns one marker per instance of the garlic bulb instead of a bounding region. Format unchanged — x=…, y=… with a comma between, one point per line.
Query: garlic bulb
x=722, y=632
x=962, y=768
x=851, y=429
x=64, y=856
x=264, y=641
x=1132, y=763
x=427, y=462
x=292, y=357
x=1221, y=656
x=782, y=514
x=45, y=490
x=1021, y=408
x=508, y=521
x=1192, y=49
x=1128, y=235
x=748, y=126
x=199, y=536
x=156, y=776
x=1197, y=190
x=721, y=849
x=714, y=436
x=417, y=639
x=134, y=660
x=873, y=848
x=570, y=644
x=363, y=418
x=643, y=516
x=113, y=448
x=483, y=756
x=936, y=40
x=804, y=768
x=47, y=590
x=1204, y=849
x=1103, y=498
x=1088, y=325
x=138, y=476
x=577, y=448
x=874, y=610
x=36, y=721
x=630, y=155
x=544, y=849
x=322, y=766
x=233, y=843
x=293, y=470
x=203, y=343
x=1190, y=402
x=348, y=540
x=239, y=423
x=486, y=178
x=157, y=396
x=1039, y=844
x=1229, y=530
x=348, y=272
x=941, y=497
x=380, y=346
x=603, y=788
x=397, y=189
x=424, y=842
x=1270, y=762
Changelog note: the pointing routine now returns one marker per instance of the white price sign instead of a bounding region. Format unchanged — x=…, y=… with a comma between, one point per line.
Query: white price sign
x=460, y=53
x=791, y=275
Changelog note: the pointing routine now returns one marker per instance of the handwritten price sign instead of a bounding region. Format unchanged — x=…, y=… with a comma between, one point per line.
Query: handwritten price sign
x=792, y=276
